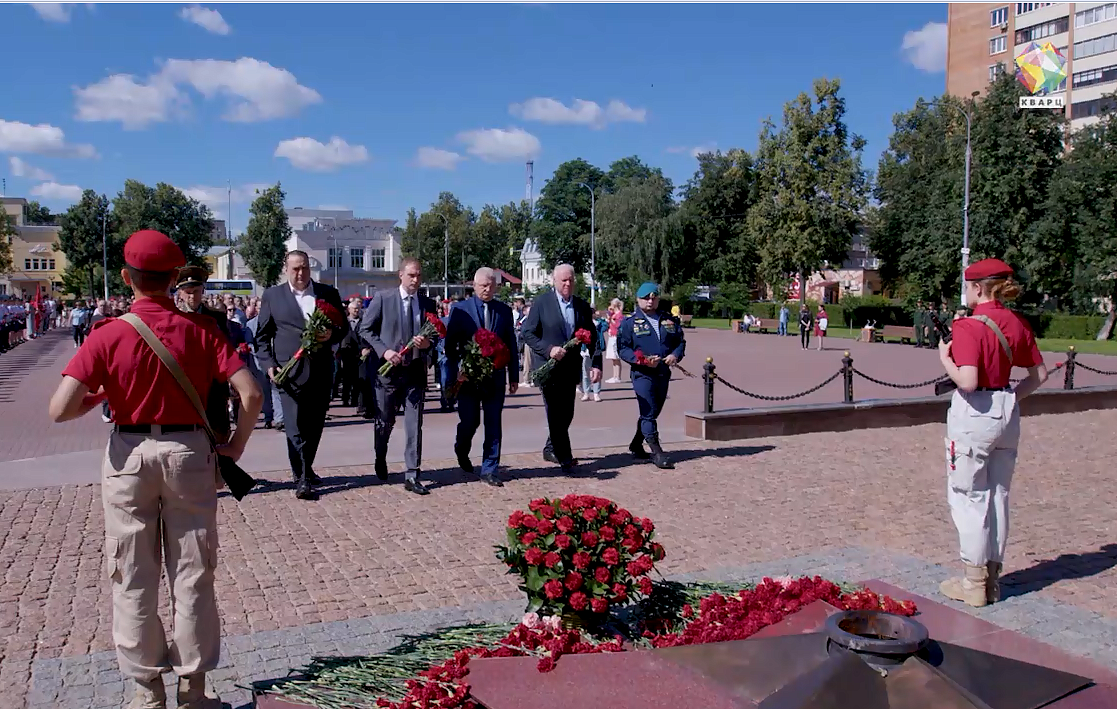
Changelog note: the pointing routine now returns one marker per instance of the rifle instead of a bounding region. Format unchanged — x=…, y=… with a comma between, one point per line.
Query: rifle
x=948, y=385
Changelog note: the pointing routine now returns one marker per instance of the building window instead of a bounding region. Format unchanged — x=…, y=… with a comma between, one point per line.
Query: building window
x=995, y=70
x=357, y=258
x=998, y=17
x=26, y=264
x=1026, y=7
x=1042, y=30
x=1099, y=45
x=1097, y=107
x=376, y=258
x=333, y=257
x=1095, y=76
x=1094, y=15
x=51, y=266
x=998, y=44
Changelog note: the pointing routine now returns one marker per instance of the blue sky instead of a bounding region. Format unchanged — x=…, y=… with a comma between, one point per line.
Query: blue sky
x=425, y=98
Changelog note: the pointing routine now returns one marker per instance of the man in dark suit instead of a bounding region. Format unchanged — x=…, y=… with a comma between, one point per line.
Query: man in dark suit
x=466, y=317
x=391, y=321
x=554, y=318
x=305, y=396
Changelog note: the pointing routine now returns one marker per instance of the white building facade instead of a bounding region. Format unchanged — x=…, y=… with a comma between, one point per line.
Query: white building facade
x=354, y=254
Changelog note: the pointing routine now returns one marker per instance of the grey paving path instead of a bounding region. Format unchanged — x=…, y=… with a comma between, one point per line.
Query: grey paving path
x=93, y=681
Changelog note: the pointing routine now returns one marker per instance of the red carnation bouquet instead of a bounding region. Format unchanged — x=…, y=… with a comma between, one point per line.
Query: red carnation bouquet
x=580, y=554
x=485, y=354
x=325, y=317
x=581, y=337
x=432, y=328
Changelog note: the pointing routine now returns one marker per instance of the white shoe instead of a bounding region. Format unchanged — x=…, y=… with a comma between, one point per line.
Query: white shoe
x=585, y=397
x=597, y=397
x=106, y=419
x=612, y=380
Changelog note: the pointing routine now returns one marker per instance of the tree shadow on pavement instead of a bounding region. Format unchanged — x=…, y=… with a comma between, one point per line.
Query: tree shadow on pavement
x=625, y=459
x=1064, y=567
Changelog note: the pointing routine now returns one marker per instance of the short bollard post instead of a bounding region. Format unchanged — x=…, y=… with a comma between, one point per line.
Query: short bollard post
x=708, y=377
x=847, y=376
x=1068, y=369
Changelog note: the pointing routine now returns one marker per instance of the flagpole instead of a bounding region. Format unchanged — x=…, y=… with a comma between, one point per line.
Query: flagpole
x=105, y=252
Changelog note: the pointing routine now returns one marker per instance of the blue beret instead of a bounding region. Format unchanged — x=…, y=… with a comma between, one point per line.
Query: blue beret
x=647, y=289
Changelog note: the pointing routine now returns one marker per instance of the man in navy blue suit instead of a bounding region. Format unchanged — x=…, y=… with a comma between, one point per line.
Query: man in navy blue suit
x=466, y=317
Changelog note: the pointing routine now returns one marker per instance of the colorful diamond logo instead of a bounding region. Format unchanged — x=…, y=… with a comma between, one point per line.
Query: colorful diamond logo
x=1041, y=68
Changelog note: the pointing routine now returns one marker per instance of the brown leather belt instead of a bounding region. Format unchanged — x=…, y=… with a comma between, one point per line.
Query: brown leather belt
x=145, y=429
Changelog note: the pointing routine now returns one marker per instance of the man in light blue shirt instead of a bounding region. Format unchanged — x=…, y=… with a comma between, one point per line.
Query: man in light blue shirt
x=783, y=319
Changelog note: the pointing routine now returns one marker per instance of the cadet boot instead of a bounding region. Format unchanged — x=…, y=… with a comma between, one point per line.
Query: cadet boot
x=637, y=447
x=149, y=695
x=970, y=589
x=993, y=583
x=659, y=458
x=192, y=693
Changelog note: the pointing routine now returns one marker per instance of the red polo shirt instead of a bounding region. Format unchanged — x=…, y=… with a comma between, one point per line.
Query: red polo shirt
x=974, y=344
x=139, y=388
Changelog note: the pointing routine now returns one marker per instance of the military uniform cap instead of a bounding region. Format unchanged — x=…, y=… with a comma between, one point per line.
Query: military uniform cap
x=988, y=268
x=647, y=289
x=150, y=250
x=192, y=276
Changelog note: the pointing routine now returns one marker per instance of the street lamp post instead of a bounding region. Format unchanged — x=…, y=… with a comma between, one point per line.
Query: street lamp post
x=965, y=194
x=105, y=252
x=445, y=256
x=336, y=258
x=593, y=245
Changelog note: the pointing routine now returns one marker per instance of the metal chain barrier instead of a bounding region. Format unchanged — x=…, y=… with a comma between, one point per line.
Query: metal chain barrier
x=1088, y=368
x=929, y=382
x=764, y=397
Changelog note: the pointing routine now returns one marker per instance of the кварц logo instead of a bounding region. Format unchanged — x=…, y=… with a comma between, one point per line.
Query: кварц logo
x=1041, y=69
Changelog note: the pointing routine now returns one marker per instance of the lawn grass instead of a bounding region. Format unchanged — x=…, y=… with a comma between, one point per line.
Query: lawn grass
x=1106, y=347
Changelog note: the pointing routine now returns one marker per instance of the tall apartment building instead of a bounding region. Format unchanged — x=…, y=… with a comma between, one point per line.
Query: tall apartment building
x=984, y=39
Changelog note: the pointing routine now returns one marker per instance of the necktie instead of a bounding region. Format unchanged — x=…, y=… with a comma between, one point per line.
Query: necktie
x=488, y=317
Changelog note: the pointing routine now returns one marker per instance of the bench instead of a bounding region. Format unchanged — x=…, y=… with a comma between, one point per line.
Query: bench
x=685, y=320
x=766, y=325
x=904, y=334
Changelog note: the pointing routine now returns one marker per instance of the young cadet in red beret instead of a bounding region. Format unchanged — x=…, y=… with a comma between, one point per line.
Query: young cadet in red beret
x=983, y=424
x=159, y=475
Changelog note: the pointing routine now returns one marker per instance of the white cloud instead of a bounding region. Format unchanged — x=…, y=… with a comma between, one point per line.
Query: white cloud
x=22, y=169
x=57, y=192
x=40, y=139
x=218, y=195
x=694, y=151
x=256, y=91
x=499, y=144
x=210, y=20
x=309, y=154
x=437, y=158
x=580, y=112
x=925, y=48
x=56, y=11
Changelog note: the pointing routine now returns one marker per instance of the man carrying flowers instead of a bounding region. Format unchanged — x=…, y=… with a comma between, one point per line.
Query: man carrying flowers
x=481, y=346
x=652, y=342
x=400, y=325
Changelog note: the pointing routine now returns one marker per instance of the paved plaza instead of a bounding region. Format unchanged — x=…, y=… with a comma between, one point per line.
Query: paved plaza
x=349, y=573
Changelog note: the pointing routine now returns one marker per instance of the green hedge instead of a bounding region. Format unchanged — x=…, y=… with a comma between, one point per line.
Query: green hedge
x=1065, y=327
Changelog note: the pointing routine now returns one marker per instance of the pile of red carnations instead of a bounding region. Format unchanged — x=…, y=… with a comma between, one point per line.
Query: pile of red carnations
x=580, y=554
x=719, y=618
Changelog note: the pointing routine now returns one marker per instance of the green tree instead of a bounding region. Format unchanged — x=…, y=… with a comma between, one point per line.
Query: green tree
x=811, y=187
x=188, y=222
x=36, y=214
x=7, y=232
x=265, y=240
x=425, y=237
x=712, y=215
x=563, y=213
x=638, y=237
x=83, y=227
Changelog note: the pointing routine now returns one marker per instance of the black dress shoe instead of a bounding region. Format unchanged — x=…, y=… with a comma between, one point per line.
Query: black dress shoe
x=492, y=480
x=267, y=424
x=311, y=477
x=463, y=461
x=381, y=469
x=550, y=457
x=416, y=487
x=570, y=468
x=304, y=491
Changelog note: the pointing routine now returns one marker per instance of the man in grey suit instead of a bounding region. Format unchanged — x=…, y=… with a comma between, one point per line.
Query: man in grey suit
x=392, y=319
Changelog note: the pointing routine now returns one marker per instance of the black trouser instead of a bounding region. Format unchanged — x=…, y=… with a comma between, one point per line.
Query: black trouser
x=349, y=376
x=303, y=419
x=558, y=402
x=805, y=336
x=79, y=335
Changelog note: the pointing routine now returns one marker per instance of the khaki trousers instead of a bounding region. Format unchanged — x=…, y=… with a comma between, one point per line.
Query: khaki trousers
x=982, y=436
x=160, y=499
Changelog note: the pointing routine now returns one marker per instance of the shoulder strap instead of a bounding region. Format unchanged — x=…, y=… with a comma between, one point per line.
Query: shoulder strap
x=996, y=331
x=172, y=366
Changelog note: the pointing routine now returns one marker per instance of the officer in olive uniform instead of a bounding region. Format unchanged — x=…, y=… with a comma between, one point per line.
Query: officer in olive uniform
x=651, y=342
x=929, y=323
x=918, y=322
x=191, y=285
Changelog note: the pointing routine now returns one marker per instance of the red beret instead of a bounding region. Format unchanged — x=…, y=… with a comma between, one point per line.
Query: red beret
x=987, y=268
x=150, y=250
